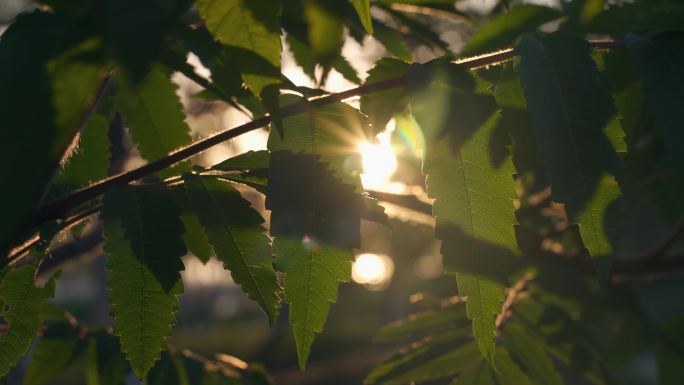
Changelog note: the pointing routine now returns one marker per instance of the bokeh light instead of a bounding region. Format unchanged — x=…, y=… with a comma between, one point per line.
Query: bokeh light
x=373, y=270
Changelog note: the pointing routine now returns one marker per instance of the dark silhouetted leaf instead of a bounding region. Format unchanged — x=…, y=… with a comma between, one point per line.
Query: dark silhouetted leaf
x=45, y=92
x=250, y=160
x=381, y=106
x=570, y=105
x=659, y=62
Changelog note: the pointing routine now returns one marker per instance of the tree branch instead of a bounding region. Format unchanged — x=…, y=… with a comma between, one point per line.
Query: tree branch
x=60, y=208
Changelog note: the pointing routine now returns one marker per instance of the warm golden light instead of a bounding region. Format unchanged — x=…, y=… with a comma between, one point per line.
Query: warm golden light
x=373, y=270
x=379, y=162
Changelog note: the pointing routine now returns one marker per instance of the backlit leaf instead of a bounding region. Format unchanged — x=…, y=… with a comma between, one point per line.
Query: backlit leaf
x=153, y=113
x=235, y=231
x=472, y=199
x=143, y=241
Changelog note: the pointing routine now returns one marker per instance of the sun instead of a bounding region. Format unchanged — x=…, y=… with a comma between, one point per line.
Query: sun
x=379, y=162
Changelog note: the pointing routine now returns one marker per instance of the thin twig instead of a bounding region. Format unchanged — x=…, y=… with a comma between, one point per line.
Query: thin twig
x=512, y=298
x=428, y=11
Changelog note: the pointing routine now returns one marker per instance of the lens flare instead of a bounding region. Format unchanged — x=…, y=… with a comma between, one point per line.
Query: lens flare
x=373, y=270
x=379, y=162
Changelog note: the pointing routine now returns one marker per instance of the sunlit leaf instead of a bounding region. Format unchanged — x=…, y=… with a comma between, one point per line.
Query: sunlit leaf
x=254, y=28
x=472, y=199
x=153, y=113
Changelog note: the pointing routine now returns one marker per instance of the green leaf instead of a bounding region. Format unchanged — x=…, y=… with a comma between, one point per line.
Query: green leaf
x=325, y=32
x=570, y=105
x=105, y=364
x=250, y=160
x=417, y=359
x=659, y=62
x=363, y=10
x=505, y=28
x=55, y=351
x=530, y=353
x=451, y=104
x=166, y=372
x=88, y=162
x=422, y=324
x=342, y=65
x=480, y=375
x=195, y=237
x=303, y=55
x=44, y=95
x=392, y=40
x=312, y=272
x=143, y=240
x=153, y=113
x=235, y=231
x=21, y=303
x=252, y=26
x=507, y=371
x=381, y=106
x=445, y=365
x=472, y=199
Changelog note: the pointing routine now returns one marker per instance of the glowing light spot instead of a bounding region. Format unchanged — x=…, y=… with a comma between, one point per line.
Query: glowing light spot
x=378, y=160
x=373, y=270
